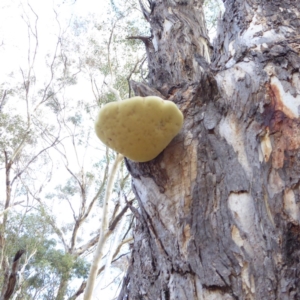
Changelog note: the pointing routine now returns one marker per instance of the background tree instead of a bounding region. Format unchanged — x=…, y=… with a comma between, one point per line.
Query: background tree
x=55, y=168
x=20, y=148
x=219, y=207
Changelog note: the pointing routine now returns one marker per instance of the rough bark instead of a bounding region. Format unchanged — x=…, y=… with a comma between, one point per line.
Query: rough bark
x=219, y=207
x=10, y=283
x=173, y=25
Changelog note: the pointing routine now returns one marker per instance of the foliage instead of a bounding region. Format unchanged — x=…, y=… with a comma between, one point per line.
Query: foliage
x=33, y=233
x=12, y=128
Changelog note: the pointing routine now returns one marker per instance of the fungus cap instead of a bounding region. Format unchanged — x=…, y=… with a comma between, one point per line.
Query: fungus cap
x=139, y=128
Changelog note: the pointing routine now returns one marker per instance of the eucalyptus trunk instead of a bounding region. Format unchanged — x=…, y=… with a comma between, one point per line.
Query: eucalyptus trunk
x=63, y=286
x=11, y=278
x=218, y=210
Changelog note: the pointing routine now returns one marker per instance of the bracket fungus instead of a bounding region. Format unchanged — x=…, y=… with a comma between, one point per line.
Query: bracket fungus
x=139, y=128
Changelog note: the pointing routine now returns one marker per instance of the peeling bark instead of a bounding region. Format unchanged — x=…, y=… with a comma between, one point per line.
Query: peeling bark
x=219, y=207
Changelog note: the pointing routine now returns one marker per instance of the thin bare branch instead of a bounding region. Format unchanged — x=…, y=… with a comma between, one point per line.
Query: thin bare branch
x=103, y=233
x=73, y=211
x=146, y=8
x=115, y=92
x=83, y=248
x=114, y=222
x=141, y=70
x=130, y=74
x=100, y=190
x=117, y=251
x=108, y=48
x=58, y=232
x=19, y=148
x=129, y=227
x=56, y=141
x=9, y=208
x=3, y=98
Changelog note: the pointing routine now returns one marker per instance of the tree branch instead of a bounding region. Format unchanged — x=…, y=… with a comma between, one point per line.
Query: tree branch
x=9, y=208
x=103, y=234
x=83, y=284
x=114, y=222
x=129, y=76
x=3, y=99
x=34, y=158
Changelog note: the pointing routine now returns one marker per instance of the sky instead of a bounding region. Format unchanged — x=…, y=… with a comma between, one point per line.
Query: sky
x=13, y=29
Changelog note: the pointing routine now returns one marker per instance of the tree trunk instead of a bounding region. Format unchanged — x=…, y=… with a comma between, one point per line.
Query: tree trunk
x=10, y=284
x=219, y=207
x=4, y=271
x=63, y=285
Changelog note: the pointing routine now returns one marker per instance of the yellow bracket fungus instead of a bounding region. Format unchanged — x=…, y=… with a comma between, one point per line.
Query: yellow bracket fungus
x=139, y=128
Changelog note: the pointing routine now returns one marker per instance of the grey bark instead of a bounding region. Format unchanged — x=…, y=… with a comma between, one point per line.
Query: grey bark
x=219, y=210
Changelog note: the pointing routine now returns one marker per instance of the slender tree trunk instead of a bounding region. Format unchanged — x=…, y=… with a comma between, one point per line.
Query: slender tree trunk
x=4, y=271
x=219, y=207
x=10, y=283
x=63, y=285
